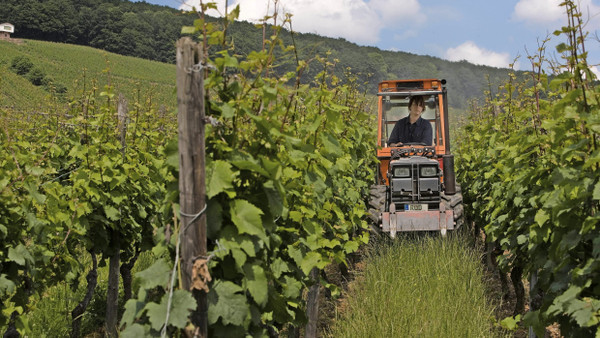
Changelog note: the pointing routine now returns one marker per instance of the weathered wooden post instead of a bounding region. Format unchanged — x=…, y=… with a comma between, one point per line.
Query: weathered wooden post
x=312, y=305
x=192, y=190
x=112, y=293
x=122, y=112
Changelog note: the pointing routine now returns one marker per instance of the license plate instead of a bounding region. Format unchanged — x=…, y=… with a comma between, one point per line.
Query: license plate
x=415, y=207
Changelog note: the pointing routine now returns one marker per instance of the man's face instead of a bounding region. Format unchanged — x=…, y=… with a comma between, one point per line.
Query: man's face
x=416, y=109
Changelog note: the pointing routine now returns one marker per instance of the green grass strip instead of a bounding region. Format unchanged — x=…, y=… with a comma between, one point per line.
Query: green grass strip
x=424, y=286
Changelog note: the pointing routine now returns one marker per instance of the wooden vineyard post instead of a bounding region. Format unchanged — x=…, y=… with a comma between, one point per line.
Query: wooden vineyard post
x=192, y=190
x=312, y=306
x=112, y=293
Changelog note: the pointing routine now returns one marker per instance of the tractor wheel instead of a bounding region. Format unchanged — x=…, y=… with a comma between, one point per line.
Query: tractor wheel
x=455, y=202
x=376, y=205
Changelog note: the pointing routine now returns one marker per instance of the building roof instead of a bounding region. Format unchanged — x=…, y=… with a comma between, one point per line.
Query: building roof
x=7, y=27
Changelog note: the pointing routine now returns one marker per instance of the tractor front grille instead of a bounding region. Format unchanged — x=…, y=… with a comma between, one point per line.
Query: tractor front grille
x=409, y=186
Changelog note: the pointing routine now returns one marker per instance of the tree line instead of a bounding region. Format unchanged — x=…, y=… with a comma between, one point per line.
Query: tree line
x=130, y=28
x=149, y=31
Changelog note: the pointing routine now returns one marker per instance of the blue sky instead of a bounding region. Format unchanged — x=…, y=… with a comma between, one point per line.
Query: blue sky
x=488, y=32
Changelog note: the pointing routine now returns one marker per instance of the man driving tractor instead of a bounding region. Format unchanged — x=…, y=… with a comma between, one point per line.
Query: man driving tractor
x=413, y=128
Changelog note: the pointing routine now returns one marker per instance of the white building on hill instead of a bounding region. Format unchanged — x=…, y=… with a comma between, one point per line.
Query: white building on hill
x=5, y=30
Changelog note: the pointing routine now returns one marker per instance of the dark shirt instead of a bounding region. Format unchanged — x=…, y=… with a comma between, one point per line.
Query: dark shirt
x=406, y=132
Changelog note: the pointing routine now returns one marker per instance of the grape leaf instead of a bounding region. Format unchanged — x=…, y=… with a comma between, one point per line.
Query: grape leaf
x=511, y=323
x=278, y=267
x=20, y=255
x=257, y=283
x=134, y=331
x=111, y=212
x=156, y=275
x=311, y=260
x=7, y=286
x=182, y=304
x=541, y=217
x=226, y=301
x=596, y=194
x=133, y=307
x=219, y=178
x=246, y=217
x=34, y=192
x=292, y=287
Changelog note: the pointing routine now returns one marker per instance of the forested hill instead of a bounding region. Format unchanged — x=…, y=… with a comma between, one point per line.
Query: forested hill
x=129, y=28
x=149, y=31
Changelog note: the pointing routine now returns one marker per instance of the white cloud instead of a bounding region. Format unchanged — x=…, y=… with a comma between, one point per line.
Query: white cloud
x=360, y=21
x=397, y=12
x=350, y=19
x=596, y=71
x=539, y=11
x=550, y=12
x=469, y=51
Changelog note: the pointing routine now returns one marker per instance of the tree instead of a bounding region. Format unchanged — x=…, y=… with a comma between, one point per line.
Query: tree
x=37, y=77
x=21, y=65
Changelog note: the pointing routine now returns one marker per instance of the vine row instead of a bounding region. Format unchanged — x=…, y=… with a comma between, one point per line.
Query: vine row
x=528, y=164
x=288, y=168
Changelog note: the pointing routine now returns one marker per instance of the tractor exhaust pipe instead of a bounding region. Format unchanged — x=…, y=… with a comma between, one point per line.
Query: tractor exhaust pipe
x=449, y=175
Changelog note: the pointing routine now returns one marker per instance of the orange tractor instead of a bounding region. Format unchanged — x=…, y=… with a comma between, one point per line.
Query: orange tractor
x=416, y=188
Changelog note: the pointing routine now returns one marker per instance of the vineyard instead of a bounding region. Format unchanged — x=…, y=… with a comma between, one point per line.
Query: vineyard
x=529, y=158
x=90, y=213
x=78, y=69
x=95, y=187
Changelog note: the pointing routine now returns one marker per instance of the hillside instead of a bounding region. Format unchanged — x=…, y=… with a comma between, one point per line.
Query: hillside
x=466, y=81
x=150, y=31
x=80, y=68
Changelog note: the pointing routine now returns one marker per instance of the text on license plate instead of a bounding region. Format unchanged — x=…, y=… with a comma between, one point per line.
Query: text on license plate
x=415, y=207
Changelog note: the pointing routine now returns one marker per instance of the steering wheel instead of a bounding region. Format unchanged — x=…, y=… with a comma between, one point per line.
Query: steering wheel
x=404, y=152
x=414, y=144
x=410, y=144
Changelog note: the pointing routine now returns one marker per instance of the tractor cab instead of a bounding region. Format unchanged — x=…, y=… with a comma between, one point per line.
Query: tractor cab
x=415, y=180
x=396, y=108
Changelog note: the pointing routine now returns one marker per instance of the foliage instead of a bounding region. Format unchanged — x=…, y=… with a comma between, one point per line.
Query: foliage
x=37, y=77
x=287, y=200
x=21, y=65
x=69, y=182
x=289, y=161
x=143, y=310
x=287, y=169
x=50, y=312
x=529, y=170
x=130, y=28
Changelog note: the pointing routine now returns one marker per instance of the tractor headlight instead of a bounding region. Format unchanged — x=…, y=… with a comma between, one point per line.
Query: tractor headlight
x=402, y=172
x=429, y=171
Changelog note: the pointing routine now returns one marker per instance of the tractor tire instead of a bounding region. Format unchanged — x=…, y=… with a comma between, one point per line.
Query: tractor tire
x=455, y=203
x=376, y=204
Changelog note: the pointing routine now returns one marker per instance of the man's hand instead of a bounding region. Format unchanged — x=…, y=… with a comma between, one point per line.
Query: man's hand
x=399, y=144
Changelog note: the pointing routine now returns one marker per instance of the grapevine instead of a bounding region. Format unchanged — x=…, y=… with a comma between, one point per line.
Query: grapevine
x=288, y=166
x=528, y=165
x=68, y=184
